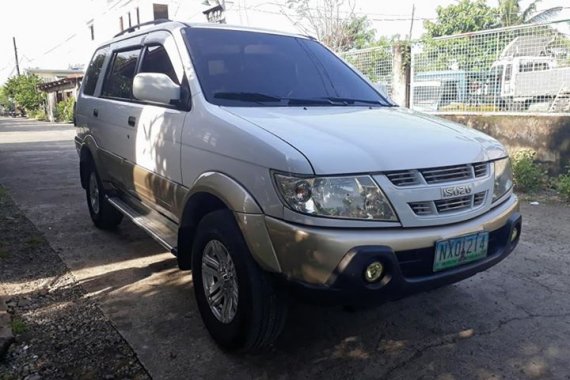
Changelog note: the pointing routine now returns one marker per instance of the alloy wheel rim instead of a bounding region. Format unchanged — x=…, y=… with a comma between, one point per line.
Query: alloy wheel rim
x=94, y=193
x=219, y=279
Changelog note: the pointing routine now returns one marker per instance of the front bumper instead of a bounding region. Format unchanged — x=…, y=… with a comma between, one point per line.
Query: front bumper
x=328, y=264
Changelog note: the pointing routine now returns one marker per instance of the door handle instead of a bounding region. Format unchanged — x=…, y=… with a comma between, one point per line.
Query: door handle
x=95, y=112
x=132, y=121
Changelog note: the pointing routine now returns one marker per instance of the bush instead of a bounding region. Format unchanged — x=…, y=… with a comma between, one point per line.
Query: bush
x=39, y=114
x=64, y=110
x=563, y=185
x=528, y=175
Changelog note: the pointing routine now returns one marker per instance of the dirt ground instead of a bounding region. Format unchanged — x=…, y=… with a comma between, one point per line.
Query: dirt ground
x=59, y=331
x=512, y=321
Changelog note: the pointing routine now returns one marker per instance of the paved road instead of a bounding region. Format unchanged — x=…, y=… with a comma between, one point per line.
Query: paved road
x=512, y=321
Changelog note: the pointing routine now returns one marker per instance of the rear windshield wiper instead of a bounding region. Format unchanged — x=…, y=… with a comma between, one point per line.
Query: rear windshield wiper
x=247, y=96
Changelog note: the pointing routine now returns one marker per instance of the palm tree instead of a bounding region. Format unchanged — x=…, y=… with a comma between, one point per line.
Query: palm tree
x=511, y=14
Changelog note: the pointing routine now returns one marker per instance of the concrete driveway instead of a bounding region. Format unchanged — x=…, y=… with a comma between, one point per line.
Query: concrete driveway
x=512, y=321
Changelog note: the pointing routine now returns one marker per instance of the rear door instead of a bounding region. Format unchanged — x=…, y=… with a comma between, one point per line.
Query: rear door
x=89, y=128
x=117, y=113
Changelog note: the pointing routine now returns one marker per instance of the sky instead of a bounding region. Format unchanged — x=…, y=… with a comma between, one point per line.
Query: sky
x=42, y=27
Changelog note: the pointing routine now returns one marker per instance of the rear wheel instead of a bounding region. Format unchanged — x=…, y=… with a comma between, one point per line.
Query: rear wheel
x=102, y=213
x=239, y=304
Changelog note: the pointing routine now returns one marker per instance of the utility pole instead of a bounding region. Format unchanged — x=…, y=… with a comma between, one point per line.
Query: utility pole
x=412, y=22
x=16, y=55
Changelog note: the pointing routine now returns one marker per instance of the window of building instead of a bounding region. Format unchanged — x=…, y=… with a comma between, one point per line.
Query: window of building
x=119, y=82
x=525, y=67
x=508, y=72
x=121, y=24
x=160, y=11
x=156, y=60
x=138, y=16
x=92, y=32
x=93, y=71
x=130, y=23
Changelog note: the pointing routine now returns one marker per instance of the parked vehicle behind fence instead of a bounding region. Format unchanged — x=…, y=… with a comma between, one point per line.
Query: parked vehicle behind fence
x=274, y=172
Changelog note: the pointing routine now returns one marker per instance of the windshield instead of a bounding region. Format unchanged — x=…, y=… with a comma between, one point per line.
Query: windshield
x=241, y=68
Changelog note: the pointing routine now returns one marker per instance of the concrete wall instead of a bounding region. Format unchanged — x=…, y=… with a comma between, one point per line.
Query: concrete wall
x=548, y=135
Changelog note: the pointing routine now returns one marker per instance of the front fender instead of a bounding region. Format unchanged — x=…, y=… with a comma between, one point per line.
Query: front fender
x=247, y=212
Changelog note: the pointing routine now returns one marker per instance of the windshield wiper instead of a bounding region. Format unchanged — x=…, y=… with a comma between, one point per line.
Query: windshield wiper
x=247, y=96
x=308, y=102
x=350, y=101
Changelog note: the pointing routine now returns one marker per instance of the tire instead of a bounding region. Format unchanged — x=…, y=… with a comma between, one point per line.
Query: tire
x=260, y=314
x=102, y=213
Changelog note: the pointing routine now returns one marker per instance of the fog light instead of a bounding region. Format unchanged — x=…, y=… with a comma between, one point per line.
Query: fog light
x=374, y=271
x=514, y=234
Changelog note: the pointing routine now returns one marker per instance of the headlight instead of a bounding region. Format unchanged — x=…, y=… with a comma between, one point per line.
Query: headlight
x=336, y=197
x=503, y=177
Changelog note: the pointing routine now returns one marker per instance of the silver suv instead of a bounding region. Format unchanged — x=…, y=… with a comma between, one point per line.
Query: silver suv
x=275, y=171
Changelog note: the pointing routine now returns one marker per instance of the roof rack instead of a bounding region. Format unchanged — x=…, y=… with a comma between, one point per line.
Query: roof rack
x=138, y=26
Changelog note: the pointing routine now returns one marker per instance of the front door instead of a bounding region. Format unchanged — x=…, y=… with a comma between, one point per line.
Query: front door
x=155, y=156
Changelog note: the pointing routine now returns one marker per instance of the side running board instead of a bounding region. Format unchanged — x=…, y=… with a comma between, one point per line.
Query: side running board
x=159, y=227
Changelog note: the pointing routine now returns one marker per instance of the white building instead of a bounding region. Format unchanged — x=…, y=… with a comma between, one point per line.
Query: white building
x=105, y=18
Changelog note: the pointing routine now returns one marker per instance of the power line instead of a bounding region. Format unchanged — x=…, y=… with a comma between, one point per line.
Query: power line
x=402, y=18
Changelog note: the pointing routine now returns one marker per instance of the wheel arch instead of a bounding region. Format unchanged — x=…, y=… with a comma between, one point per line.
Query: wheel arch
x=215, y=191
x=87, y=156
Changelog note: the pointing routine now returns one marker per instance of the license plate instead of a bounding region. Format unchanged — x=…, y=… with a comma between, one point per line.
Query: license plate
x=461, y=250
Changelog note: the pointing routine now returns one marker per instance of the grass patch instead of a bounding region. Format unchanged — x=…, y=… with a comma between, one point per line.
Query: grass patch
x=3, y=252
x=3, y=193
x=35, y=241
x=18, y=326
x=562, y=184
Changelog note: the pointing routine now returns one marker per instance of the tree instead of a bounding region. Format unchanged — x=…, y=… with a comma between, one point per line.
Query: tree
x=462, y=17
x=23, y=91
x=333, y=22
x=511, y=14
x=5, y=102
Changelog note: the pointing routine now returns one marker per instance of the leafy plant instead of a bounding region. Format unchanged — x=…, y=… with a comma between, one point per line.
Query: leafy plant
x=528, y=175
x=39, y=114
x=461, y=17
x=23, y=91
x=64, y=110
x=18, y=326
x=563, y=185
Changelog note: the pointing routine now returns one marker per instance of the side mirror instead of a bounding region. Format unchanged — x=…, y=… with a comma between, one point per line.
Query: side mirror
x=155, y=87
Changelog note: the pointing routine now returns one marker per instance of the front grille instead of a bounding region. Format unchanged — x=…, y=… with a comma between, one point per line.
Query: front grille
x=447, y=206
x=422, y=208
x=404, y=178
x=453, y=204
x=479, y=198
x=480, y=169
x=439, y=175
x=450, y=174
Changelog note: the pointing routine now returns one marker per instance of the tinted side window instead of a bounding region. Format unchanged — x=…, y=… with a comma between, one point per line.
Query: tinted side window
x=156, y=60
x=93, y=71
x=119, y=82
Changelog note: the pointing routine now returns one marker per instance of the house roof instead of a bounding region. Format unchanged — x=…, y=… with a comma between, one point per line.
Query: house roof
x=530, y=46
x=60, y=84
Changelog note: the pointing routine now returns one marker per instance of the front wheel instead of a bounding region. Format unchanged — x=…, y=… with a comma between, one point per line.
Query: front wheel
x=239, y=304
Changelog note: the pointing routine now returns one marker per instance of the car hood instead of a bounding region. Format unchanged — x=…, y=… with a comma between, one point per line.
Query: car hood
x=339, y=140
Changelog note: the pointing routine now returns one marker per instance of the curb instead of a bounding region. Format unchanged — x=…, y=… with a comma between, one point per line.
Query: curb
x=6, y=336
